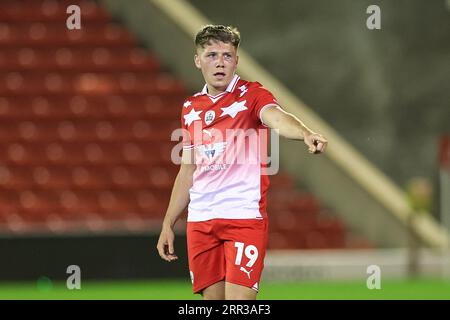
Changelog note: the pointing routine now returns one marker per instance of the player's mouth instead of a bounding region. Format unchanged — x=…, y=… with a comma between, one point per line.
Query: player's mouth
x=219, y=75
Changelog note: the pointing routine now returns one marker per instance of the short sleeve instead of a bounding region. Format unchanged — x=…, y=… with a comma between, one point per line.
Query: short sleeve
x=263, y=98
x=187, y=141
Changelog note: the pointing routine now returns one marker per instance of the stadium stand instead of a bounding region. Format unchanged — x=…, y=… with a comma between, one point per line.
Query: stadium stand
x=85, y=123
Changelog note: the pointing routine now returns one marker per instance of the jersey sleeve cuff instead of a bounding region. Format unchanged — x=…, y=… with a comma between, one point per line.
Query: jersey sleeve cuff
x=263, y=109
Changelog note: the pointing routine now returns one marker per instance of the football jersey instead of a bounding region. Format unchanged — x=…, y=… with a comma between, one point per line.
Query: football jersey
x=229, y=141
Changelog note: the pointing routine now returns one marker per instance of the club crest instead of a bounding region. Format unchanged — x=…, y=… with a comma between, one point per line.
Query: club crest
x=209, y=117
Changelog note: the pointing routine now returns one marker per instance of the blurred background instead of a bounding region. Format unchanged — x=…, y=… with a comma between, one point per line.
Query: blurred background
x=85, y=151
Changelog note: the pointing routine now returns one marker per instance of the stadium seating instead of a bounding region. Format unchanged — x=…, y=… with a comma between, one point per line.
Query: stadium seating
x=85, y=123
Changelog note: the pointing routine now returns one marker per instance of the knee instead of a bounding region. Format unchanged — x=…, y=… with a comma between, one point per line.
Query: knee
x=214, y=292
x=238, y=292
x=213, y=295
x=241, y=296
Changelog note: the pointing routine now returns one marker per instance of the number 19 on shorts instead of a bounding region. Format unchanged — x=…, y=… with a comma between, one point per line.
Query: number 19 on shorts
x=250, y=251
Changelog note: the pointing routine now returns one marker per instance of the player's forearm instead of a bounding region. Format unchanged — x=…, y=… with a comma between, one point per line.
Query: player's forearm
x=289, y=126
x=179, y=198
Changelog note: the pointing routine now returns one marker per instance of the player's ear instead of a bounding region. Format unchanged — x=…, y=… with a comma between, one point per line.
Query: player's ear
x=237, y=59
x=197, y=61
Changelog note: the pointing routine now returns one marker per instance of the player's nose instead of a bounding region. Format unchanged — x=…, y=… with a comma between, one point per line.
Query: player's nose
x=220, y=62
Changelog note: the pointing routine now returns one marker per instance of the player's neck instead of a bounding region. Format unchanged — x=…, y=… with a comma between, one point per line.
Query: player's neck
x=215, y=91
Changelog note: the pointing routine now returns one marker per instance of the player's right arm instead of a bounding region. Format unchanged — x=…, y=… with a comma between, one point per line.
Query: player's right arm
x=179, y=199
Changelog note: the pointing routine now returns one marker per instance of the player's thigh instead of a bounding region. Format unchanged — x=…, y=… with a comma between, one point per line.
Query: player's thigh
x=245, y=252
x=205, y=256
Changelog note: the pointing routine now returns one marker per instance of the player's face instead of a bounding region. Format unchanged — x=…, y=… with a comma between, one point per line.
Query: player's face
x=217, y=61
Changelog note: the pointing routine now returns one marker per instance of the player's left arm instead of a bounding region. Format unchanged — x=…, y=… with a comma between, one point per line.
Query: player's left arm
x=291, y=127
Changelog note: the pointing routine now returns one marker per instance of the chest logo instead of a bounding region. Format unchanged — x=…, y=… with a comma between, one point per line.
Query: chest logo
x=209, y=117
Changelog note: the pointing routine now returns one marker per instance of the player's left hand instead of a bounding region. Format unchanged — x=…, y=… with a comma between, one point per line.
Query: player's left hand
x=316, y=142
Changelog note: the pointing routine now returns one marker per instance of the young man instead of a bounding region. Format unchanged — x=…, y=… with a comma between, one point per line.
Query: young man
x=227, y=226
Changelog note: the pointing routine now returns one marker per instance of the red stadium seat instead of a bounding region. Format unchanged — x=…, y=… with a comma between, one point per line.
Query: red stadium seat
x=9, y=200
x=286, y=240
x=152, y=203
x=51, y=177
x=18, y=153
x=315, y=240
x=90, y=177
x=117, y=205
x=35, y=204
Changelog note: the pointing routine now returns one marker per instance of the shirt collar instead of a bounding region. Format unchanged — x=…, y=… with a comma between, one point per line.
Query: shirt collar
x=230, y=88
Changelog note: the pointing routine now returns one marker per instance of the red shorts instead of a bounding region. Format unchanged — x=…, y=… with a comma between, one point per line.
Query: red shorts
x=226, y=249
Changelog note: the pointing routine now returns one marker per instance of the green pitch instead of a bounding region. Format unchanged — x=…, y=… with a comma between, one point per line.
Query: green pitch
x=174, y=290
